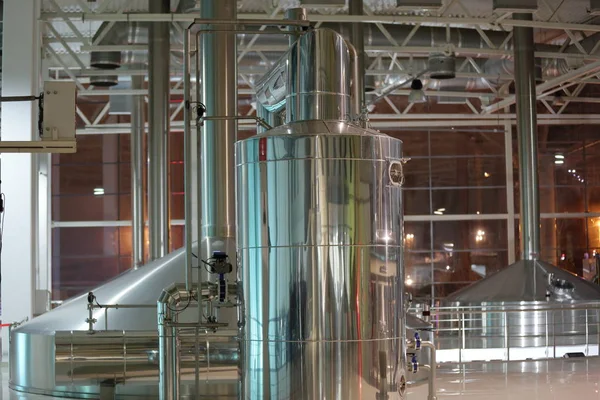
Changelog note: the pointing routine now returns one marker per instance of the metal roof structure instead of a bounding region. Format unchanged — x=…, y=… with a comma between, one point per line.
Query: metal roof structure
x=565, y=35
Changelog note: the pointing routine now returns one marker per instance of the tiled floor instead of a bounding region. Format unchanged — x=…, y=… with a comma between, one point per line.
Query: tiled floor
x=577, y=379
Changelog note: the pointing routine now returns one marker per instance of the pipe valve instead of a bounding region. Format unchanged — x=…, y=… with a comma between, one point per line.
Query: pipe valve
x=414, y=364
x=219, y=264
x=417, y=341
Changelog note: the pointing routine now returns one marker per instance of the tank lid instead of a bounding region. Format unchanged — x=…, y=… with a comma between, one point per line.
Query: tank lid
x=528, y=280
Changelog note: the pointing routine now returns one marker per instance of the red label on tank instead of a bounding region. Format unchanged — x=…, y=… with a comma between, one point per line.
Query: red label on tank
x=262, y=149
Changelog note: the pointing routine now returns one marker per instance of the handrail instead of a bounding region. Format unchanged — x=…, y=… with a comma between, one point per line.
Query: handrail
x=499, y=309
x=471, y=333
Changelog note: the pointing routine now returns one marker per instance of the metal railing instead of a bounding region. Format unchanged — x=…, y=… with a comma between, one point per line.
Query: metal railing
x=515, y=332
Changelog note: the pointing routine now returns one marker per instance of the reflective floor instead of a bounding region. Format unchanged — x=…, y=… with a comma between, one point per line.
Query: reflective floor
x=530, y=380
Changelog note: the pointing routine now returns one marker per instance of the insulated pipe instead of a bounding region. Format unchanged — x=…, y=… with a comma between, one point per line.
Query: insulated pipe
x=218, y=136
x=430, y=381
x=295, y=14
x=432, y=375
x=158, y=135
x=270, y=117
x=527, y=137
x=188, y=151
x=357, y=38
x=432, y=395
x=167, y=352
x=357, y=89
x=137, y=171
x=168, y=363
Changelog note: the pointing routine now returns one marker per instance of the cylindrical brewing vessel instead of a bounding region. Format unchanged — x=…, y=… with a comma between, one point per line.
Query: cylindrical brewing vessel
x=319, y=240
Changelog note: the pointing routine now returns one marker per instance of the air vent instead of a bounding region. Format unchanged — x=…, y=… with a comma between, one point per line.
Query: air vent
x=322, y=3
x=419, y=4
x=515, y=5
x=441, y=66
x=104, y=80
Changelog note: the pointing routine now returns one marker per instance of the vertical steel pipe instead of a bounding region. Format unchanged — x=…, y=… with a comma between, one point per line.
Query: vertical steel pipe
x=527, y=134
x=137, y=170
x=295, y=14
x=188, y=149
x=357, y=93
x=270, y=117
x=357, y=34
x=158, y=134
x=217, y=138
x=166, y=350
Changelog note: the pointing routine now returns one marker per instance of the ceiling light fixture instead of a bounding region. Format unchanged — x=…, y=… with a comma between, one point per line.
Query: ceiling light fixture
x=558, y=100
x=416, y=92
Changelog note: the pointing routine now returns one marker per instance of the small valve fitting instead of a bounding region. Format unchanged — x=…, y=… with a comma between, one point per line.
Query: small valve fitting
x=417, y=341
x=414, y=364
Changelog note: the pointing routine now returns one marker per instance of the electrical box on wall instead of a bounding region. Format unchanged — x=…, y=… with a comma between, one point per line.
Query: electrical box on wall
x=322, y=3
x=419, y=4
x=59, y=111
x=55, y=131
x=524, y=6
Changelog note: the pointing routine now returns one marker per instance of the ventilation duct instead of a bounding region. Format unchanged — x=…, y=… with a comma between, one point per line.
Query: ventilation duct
x=130, y=33
x=104, y=80
x=441, y=66
x=105, y=60
x=419, y=4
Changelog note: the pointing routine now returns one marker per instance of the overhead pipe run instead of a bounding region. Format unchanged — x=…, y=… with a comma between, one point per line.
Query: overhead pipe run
x=138, y=132
x=357, y=39
x=218, y=51
x=425, y=37
x=158, y=134
x=527, y=133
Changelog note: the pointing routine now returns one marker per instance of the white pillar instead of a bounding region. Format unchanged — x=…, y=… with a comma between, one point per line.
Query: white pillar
x=18, y=172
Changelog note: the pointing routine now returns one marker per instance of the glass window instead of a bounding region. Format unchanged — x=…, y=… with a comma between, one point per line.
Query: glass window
x=469, y=201
x=488, y=235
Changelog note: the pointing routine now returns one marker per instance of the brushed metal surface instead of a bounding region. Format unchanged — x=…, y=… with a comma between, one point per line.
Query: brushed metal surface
x=313, y=77
x=37, y=345
x=527, y=281
x=158, y=133
x=319, y=238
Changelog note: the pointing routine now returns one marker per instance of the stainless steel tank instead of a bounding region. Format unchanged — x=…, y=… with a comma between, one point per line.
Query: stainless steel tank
x=54, y=354
x=530, y=309
x=319, y=240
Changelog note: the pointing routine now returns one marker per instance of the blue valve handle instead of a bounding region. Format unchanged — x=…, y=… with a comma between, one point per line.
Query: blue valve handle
x=417, y=340
x=222, y=288
x=415, y=364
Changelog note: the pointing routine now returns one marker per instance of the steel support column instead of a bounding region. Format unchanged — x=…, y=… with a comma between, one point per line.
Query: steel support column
x=20, y=77
x=527, y=138
x=357, y=34
x=158, y=134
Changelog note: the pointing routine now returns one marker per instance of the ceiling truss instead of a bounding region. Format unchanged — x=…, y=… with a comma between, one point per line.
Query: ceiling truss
x=67, y=45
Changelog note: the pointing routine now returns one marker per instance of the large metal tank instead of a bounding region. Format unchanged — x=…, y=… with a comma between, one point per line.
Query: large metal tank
x=530, y=309
x=319, y=239
x=54, y=354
